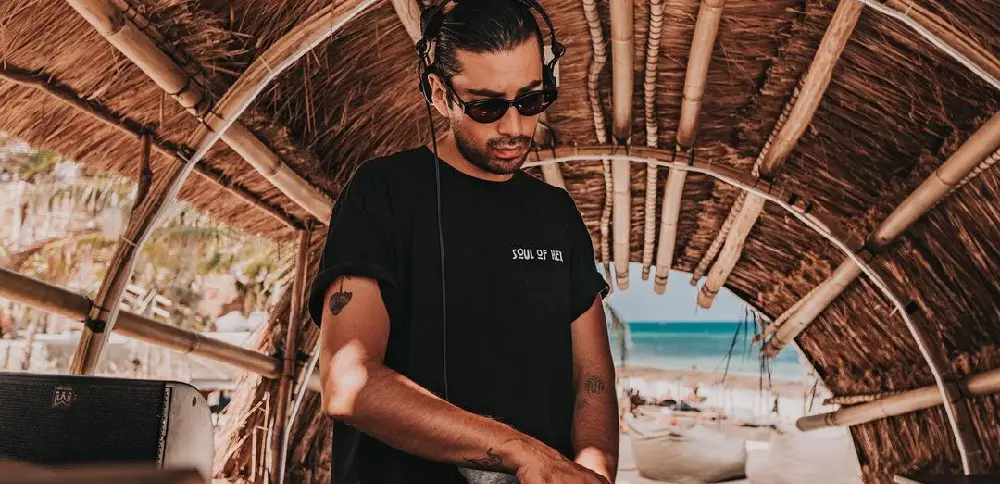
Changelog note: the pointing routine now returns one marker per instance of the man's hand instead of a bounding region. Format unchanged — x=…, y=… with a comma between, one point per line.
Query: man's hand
x=539, y=464
x=559, y=472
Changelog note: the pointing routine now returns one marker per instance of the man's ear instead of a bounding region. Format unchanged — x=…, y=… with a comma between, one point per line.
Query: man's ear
x=439, y=95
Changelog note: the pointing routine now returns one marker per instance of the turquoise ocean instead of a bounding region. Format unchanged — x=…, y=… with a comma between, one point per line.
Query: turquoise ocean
x=706, y=346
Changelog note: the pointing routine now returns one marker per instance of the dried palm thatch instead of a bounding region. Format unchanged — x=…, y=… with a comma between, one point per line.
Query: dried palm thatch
x=895, y=109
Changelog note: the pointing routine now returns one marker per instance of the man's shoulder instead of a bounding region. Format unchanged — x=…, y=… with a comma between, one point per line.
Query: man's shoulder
x=549, y=194
x=400, y=164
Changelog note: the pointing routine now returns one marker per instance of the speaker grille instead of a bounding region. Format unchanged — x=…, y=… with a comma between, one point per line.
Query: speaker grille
x=64, y=420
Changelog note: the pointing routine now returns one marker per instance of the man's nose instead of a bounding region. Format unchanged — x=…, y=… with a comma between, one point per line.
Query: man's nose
x=512, y=123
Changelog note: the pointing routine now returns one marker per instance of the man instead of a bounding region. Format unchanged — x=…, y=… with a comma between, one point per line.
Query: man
x=514, y=374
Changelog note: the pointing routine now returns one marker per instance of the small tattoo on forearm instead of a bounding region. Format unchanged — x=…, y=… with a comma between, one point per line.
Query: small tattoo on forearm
x=594, y=385
x=339, y=299
x=492, y=461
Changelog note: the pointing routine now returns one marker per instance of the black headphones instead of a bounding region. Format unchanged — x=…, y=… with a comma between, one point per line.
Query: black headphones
x=433, y=18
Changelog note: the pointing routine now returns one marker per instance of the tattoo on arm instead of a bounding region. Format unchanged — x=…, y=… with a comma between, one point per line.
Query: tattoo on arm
x=340, y=299
x=492, y=461
x=594, y=385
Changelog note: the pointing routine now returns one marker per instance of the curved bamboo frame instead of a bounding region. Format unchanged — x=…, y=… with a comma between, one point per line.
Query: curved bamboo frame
x=946, y=38
x=824, y=230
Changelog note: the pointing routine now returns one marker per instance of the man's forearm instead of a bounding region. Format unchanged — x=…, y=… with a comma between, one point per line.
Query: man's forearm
x=397, y=411
x=595, y=424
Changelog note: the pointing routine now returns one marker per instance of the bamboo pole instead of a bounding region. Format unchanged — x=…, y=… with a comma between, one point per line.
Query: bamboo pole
x=803, y=108
x=65, y=303
x=553, y=176
x=731, y=250
x=964, y=161
x=620, y=174
x=669, y=217
x=727, y=225
x=901, y=403
x=599, y=59
x=695, y=80
x=408, y=12
x=135, y=44
x=649, y=89
x=290, y=351
x=702, y=45
x=622, y=74
x=132, y=127
x=154, y=204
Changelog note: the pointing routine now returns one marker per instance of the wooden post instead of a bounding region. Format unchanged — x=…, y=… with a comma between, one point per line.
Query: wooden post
x=700, y=57
x=803, y=108
x=290, y=351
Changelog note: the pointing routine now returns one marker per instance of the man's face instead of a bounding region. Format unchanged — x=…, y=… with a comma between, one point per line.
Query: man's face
x=502, y=146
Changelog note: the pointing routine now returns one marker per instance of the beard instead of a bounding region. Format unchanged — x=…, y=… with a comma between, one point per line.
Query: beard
x=482, y=156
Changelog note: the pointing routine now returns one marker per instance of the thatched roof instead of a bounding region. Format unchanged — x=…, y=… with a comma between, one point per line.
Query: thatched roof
x=896, y=108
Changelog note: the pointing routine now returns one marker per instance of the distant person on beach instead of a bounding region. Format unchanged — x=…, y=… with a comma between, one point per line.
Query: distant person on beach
x=496, y=368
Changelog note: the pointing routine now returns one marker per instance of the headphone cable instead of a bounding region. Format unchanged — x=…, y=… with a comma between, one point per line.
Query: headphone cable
x=444, y=303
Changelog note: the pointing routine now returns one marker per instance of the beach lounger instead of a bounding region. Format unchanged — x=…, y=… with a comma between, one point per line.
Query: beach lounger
x=677, y=455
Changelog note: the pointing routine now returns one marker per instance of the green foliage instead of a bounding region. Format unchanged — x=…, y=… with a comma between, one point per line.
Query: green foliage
x=619, y=328
x=181, y=250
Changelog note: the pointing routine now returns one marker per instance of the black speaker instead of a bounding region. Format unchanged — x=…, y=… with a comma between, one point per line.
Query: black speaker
x=64, y=420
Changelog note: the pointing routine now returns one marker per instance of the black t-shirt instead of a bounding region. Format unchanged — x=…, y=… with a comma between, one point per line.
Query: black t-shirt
x=520, y=269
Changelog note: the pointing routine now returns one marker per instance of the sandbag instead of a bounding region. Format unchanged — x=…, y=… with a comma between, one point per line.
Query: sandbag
x=696, y=455
x=820, y=456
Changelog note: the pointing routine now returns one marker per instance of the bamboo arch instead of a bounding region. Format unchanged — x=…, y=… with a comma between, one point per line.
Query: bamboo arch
x=963, y=437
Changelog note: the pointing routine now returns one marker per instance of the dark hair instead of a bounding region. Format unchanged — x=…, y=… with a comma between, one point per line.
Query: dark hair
x=482, y=26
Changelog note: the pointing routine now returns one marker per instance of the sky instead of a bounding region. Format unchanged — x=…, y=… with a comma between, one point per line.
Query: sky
x=640, y=303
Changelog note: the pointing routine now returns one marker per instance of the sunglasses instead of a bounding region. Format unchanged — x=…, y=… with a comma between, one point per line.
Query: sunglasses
x=488, y=111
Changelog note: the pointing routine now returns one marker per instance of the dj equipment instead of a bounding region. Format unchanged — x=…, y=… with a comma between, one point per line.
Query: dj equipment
x=72, y=420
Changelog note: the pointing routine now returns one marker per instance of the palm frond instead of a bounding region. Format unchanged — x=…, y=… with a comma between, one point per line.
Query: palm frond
x=619, y=328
